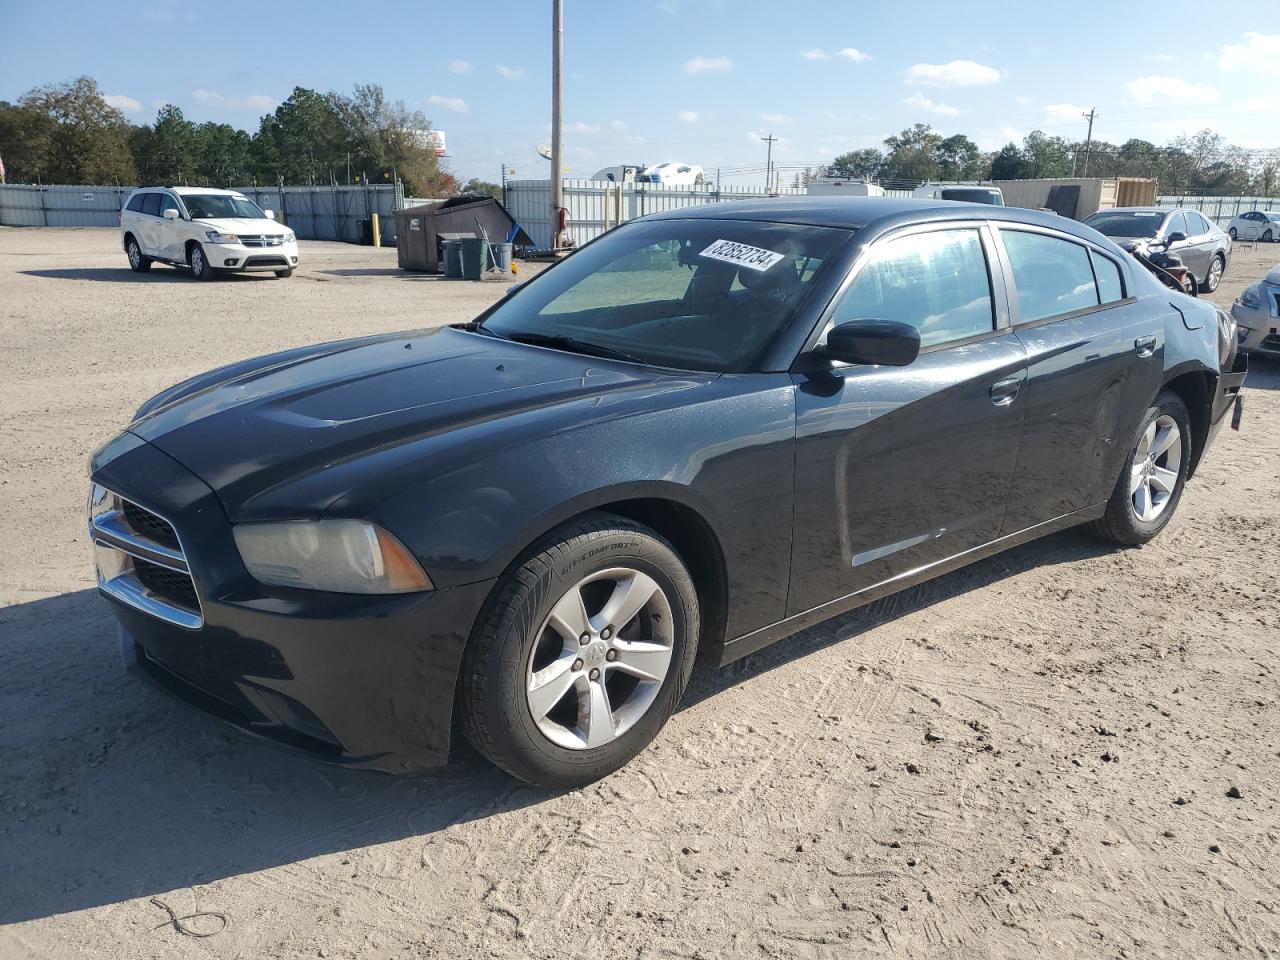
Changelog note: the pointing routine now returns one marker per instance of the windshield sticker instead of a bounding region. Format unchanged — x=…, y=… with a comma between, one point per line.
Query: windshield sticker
x=742, y=255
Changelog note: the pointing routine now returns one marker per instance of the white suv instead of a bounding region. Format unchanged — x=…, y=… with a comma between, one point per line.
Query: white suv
x=208, y=230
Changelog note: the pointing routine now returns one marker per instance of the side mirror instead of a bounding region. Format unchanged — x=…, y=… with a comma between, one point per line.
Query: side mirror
x=1176, y=237
x=889, y=343
x=271, y=214
x=171, y=213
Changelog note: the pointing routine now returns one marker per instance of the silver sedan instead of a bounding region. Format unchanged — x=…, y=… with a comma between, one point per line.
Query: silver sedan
x=1257, y=315
x=1255, y=225
x=1198, y=242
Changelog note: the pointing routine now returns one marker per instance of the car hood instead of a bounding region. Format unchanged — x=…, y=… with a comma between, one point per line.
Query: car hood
x=306, y=416
x=247, y=225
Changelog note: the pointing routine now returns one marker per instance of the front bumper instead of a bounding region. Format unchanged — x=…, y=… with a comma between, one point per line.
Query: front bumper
x=1260, y=326
x=365, y=681
x=249, y=259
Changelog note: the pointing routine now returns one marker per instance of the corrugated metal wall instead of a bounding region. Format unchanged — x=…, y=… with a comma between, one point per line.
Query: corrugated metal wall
x=1220, y=210
x=312, y=212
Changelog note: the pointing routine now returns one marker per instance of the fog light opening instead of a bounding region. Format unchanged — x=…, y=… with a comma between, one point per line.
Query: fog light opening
x=230, y=262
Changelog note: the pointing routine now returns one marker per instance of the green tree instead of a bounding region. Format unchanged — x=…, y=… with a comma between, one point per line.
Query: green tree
x=76, y=136
x=305, y=140
x=1009, y=164
x=958, y=158
x=167, y=151
x=25, y=138
x=475, y=186
x=222, y=155
x=856, y=164
x=1046, y=156
x=912, y=154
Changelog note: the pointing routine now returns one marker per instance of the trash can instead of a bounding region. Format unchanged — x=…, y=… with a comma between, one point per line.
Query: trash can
x=452, y=259
x=475, y=257
x=501, y=257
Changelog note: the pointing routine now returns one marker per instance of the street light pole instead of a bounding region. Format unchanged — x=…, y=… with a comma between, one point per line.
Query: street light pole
x=557, y=166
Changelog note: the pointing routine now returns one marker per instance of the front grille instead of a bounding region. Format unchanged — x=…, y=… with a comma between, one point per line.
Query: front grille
x=147, y=524
x=140, y=560
x=262, y=240
x=172, y=585
x=266, y=262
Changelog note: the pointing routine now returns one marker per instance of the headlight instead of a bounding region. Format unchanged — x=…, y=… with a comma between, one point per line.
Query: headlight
x=216, y=237
x=1252, y=297
x=289, y=237
x=340, y=556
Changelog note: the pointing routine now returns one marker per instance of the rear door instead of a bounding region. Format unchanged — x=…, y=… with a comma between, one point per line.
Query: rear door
x=1095, y=360
x=899, y=467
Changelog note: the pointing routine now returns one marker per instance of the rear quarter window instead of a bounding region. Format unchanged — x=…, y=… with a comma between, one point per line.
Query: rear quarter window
x=1107, y=272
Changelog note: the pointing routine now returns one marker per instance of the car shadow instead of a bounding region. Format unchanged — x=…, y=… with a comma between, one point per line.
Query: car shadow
x=110, y=791
x=381, y=272
x=1264, y=373
x=157, y=274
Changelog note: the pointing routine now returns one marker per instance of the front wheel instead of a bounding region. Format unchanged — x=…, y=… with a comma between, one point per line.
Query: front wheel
x=582, y=654
x=199, y=263
x=1268, y=236
x=1151, y=483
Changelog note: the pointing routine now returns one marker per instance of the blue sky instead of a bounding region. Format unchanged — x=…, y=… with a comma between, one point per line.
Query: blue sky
x=655, y=80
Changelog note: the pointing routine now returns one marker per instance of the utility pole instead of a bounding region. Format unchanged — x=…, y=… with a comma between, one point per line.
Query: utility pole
x=1091, y=116
x=768, y=170
x=557, y=166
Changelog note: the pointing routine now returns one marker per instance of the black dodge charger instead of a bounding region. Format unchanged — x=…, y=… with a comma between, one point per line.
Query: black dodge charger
x=700, y=433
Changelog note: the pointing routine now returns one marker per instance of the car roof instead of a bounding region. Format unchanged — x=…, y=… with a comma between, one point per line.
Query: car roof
x=857, y=213
x=188, y=191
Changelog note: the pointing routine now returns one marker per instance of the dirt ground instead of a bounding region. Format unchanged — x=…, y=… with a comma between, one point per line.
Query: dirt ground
x=1027, y=758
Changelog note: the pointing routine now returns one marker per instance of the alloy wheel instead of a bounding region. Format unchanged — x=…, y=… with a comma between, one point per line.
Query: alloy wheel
x=1156, y=467
x=135, y=257
x=1215, y=275
x=600, y=658
x=197, y=261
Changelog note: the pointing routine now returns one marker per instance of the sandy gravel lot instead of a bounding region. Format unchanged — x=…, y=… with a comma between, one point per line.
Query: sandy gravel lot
x=1027, y=758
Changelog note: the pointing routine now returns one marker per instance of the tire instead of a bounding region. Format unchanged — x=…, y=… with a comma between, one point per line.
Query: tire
x=515, y=640
x=284, y=274
x=1232, y=234
x=137, y=262
x=1122, y=523
x=199, y=263
x=1268, y=236
x=1214, y=276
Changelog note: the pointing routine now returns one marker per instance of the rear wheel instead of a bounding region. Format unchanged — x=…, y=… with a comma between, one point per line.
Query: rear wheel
x=199, y=263
x=1214, y=277
x=582, y=655
x=137, y=262
x=1151, y=483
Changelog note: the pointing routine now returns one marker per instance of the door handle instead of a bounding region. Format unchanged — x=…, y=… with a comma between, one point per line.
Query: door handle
x=1003, y=392
x=1145, y=346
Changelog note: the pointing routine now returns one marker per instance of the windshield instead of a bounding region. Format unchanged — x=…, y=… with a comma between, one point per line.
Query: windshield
x=214, y=206
x=1127, y=223
x=971, y=195
x=693, y=294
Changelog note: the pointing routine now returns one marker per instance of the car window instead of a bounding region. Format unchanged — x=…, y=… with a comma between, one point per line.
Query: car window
x=938, y=282
x=135, y=202
x=1052, y=276
x=167, y=202
x=1126, y=223
x=1176, y=224
x=1198, y=223
x=151, y=204
x=1107, y=273
x=213, y=206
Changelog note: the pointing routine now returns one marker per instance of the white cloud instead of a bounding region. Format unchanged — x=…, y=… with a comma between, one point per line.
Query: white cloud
x=459, y=66
x=1259, y=53
x=776, y=118
x=511, y=73
x=854, y=54
x=814, y=53
x=123, y=103
x=708, y=65
x=918, y=102
x=1159, y=57
x=453, y=104
x=1266, y=105
x=688, y=116
x=254, y=101
x=1170, y=90
x=957, y=73
x=1064, y=112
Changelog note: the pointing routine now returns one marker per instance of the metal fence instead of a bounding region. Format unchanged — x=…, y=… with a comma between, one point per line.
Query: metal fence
x=1220, y=210
x=312, y=212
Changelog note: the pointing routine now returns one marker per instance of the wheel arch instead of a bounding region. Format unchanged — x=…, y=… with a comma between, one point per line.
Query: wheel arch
x=1194, y=387
x=124, y=240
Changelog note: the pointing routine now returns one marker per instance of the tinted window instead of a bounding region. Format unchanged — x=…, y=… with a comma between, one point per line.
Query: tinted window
x=973, y=195
x=1198, y=223
x=167, y=202
x=1052, y=276
x=1177, y=224
x=135, y=202
x=1126, y=223
x=695, y=294
x=937, y=282
x=151, y=204
x=1107, y=273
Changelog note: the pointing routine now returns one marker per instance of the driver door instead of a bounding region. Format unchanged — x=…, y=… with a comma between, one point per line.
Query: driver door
x=898, y=468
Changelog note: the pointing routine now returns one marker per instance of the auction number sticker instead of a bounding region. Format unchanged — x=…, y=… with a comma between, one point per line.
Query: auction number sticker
x=742, y=255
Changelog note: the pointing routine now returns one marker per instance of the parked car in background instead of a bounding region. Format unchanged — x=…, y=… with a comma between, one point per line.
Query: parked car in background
x=1257, y=315
x=619, y=173
x=702, y=432
x=1255, y=225
x=836, y=187
x=965, y=193
x=671, y=174
x=206, y=230
x=1198, y=243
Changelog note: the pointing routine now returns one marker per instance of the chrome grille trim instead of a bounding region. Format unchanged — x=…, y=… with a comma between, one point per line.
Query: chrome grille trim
x=262, y=240
x=118, y=546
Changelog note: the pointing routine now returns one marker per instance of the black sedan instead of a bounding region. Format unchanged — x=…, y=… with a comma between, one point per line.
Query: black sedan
x=702, y=432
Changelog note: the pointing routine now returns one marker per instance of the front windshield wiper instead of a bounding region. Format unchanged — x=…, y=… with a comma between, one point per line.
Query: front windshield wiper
x=573, y=344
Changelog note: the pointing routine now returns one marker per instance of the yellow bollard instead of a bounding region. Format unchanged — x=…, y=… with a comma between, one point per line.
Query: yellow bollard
x=377, y=235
